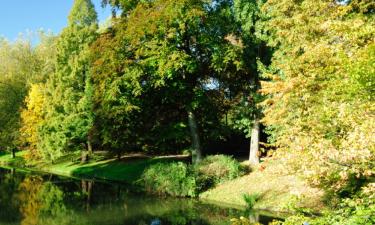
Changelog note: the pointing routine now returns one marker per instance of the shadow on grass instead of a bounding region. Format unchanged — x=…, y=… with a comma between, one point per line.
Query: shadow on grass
x=127, y=170
x=2, y=153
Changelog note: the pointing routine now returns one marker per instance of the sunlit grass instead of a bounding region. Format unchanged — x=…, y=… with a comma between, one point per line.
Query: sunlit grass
x=7, y=159
x=128, y=169
x=277, y=191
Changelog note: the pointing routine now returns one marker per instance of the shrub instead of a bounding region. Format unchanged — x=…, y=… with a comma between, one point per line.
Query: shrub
x=180, y=179
x=175, y=179
x=250, y=200
x=217, y=169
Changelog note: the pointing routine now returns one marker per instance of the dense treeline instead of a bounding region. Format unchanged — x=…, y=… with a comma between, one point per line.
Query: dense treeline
x=164, y=76
x=167, y=75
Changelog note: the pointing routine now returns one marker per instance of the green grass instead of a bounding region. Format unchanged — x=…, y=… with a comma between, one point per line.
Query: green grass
x=7, y=160
x=129, y=169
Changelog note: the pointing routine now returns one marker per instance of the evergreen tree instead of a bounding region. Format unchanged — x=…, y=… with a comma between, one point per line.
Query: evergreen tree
x=69, y=117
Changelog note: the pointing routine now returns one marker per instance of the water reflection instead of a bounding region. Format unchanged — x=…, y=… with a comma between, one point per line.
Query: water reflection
x=42, y=199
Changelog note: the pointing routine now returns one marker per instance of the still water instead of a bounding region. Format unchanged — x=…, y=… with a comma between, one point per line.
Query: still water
x=44, y=199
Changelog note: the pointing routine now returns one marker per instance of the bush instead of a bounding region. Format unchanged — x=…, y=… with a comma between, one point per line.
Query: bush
x=180, y=179
x=250, y=200
x=216, y=169
x=175, y=179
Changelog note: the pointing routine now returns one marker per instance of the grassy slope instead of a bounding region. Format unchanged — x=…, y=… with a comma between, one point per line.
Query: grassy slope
x=278, y=192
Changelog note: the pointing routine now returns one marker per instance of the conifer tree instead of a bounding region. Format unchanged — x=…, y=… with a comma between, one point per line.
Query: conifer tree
x=69, y=117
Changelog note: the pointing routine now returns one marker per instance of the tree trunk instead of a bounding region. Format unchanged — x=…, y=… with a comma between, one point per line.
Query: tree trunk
x=254, y=143
x=84, y=157
x=89, y=146
x=197, y=152
x=13, y=153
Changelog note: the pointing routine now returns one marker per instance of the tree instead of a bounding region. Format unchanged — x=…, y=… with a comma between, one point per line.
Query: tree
x=22, y=64
x=245, y=111
x=69, y=117
x=32, y=118
x=320, y=105
x=174, y=57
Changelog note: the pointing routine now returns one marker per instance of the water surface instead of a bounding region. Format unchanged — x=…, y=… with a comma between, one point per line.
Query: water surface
x=45, y=199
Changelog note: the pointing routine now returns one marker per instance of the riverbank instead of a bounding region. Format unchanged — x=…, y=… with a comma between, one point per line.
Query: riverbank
x=277, y=192
x=127, y=170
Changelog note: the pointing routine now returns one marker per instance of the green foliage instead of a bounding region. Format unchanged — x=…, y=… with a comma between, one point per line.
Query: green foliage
x=250, y=200
x=82, y=13
x=321, y=93
x=161, y=60
x=175, y=179
x=217, y=169
x=21, y=65
x=68, y=105
x=180, y=179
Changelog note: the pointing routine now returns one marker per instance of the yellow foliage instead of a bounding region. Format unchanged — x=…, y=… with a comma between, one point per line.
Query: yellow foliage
x=32, y=117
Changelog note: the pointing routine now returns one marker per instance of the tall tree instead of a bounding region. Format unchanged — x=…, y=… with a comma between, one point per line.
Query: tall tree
x=177, y=54
x=69, y=117
x=245, y=112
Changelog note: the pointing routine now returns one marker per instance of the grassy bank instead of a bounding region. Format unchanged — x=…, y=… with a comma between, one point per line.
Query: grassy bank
x=8, y=160
x=128, y=169
x=277, y=192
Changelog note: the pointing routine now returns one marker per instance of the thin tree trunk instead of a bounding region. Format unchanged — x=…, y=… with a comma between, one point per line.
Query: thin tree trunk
x=254, y=143
x=89, y=146
x=84, y=154
x=84, y=157
x=197, y=151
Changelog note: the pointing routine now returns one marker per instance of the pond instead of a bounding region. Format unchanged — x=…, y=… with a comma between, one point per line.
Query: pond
x=45, y=199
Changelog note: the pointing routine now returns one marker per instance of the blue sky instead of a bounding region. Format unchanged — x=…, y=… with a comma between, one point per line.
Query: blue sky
x=21, y=16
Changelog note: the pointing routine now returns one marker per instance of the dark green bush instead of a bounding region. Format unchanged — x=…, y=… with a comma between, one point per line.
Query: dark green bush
x=216, y=169
x=180, y=179
x=175, y=179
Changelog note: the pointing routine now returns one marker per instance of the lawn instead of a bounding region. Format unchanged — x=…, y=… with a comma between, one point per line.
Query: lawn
x=128, y=169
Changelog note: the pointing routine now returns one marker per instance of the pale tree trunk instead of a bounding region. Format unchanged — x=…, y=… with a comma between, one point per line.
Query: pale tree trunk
x=89, y=146
x=197, y=151
x=254, y=143
x=84, y=157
